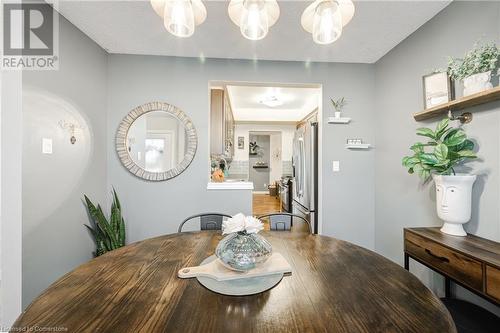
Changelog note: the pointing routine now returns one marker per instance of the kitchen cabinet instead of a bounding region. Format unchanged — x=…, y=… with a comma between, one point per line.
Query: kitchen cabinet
x=221, y=124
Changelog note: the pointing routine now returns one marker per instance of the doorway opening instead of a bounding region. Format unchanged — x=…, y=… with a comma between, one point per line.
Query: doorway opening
x=268, y=134
x=266, y=169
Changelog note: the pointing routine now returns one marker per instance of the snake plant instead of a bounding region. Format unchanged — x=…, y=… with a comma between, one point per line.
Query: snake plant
x=447, y=148
x=108, y=234
x=339, y=104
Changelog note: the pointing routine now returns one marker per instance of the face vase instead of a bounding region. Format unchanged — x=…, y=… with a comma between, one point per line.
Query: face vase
x=454, y=201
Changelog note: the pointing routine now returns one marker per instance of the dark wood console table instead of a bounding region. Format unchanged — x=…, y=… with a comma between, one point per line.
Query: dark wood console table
x=472, y=262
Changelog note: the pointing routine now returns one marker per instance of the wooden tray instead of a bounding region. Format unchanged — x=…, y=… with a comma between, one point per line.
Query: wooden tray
x=239, y=287
x=215, y=269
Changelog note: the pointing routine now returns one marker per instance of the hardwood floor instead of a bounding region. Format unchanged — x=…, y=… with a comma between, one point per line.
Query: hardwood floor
x=265, y=204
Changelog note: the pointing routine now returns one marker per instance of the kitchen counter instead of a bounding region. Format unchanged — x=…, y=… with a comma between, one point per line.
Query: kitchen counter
x=230, y=185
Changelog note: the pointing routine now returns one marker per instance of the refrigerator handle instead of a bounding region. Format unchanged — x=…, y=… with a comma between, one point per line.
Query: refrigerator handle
x=314, y=165
x=302, y=167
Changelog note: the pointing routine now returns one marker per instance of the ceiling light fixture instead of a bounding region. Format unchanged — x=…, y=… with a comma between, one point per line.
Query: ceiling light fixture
x=326, y=18
x=271, y=101
x=254, y=17
x=180, y=17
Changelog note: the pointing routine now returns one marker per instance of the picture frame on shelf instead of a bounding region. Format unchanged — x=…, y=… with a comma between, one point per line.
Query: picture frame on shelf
x=438, y=88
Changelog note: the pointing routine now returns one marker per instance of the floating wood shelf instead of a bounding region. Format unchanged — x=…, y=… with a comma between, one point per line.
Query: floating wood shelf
x=459, y=104
x=260, y=166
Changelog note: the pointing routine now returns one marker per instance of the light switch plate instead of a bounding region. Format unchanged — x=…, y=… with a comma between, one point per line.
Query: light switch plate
x=46, y=146
x=336, y=166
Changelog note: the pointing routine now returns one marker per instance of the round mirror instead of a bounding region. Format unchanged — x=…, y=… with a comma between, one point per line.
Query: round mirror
x=156, y=141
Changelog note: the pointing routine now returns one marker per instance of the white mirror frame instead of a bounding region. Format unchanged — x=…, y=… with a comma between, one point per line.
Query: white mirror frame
x=121, y=141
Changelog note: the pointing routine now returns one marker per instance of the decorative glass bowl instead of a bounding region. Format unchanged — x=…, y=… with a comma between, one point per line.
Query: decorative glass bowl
x=241, y=251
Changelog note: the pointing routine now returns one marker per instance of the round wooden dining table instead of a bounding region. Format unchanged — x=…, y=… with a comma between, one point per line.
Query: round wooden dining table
x=335, y=286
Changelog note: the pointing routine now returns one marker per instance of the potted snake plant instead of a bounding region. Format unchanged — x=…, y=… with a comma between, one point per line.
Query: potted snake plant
x=108, y=234
x=446, y=148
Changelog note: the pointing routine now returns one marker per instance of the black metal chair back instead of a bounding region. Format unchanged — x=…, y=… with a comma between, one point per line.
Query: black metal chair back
x=283, y=221
x=208, y=221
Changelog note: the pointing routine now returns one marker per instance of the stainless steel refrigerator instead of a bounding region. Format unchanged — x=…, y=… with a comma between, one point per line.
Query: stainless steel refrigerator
x=305, y=171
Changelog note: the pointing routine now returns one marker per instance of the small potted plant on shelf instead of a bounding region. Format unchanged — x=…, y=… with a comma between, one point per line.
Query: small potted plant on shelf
x=447, y=147
x=254, y=148
x=338, y=105
x=476, y=68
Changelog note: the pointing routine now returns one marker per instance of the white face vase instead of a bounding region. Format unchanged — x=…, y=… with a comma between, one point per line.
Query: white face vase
x=454, y=201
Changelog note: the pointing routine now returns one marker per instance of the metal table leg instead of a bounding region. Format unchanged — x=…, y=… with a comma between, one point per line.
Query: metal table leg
x=447, y=287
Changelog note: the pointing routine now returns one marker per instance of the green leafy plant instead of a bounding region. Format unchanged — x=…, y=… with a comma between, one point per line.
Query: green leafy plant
x=254, y=148
x=481, y=59
x=339, y=104
x=447, y=147
x=108, y=234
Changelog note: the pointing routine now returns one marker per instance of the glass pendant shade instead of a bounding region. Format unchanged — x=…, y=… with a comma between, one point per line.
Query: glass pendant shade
x=178, y=17
x=254, y=22
x=327, y=22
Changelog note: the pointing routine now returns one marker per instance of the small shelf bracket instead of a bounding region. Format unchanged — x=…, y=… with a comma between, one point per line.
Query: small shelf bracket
x=464, y=118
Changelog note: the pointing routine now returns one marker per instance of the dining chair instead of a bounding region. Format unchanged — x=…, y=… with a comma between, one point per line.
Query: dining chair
x=283, y=221
x=208, y=221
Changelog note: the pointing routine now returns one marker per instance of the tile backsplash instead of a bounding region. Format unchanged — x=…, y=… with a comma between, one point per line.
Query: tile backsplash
x=238, y=169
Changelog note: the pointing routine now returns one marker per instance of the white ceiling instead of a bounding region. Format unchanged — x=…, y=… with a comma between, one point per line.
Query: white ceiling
x=246, y=104
x=132, y=27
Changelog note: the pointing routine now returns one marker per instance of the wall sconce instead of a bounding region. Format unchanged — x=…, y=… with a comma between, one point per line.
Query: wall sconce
x=71, y=127
x=277, y=154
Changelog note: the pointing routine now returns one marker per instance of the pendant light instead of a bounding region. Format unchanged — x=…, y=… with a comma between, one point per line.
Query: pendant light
x=180, y=17
x=254, y=24
x=326, y=18
x=254, y=17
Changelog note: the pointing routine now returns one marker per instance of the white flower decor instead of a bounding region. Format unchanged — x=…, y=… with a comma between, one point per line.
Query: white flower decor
x=253, y=225
x=240, y=222
x=234, y=224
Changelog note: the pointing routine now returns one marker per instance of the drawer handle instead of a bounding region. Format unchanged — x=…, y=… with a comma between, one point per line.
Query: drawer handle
x=444, y=259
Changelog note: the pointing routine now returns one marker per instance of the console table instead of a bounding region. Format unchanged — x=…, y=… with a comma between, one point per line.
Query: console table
x=472, y=262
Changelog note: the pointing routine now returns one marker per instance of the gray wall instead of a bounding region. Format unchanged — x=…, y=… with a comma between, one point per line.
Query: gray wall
x=56, y=241
x=10, y=196
x=400, y=200
x=104, y=88
x=260, y=177
x=157, y=208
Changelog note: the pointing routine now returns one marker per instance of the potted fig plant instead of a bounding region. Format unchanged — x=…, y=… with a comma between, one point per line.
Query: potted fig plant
x=476, y=68
x=446, y=148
